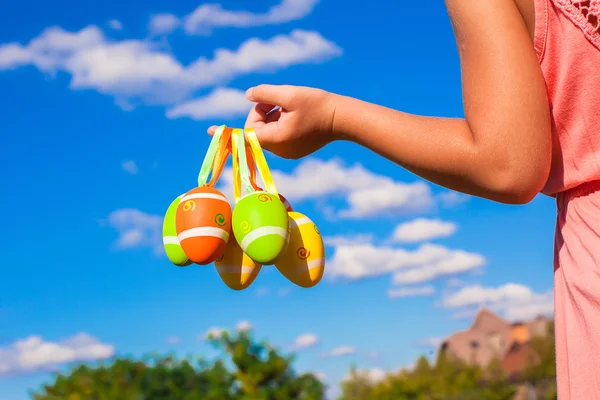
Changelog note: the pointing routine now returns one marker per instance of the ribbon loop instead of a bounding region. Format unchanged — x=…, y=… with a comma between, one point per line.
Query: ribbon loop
x=261, y=162
x=221, y=156
x=209, y=158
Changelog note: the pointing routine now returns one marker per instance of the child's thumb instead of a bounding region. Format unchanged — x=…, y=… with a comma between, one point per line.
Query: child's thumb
x=268, y=134
x=278, y=95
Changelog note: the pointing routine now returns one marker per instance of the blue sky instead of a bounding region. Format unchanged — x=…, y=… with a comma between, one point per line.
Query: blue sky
x=103, y=124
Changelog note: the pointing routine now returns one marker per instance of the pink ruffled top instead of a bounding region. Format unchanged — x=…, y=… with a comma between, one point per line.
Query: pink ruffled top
x=567, y=43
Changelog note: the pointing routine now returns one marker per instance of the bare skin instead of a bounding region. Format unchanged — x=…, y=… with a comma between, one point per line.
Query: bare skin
x=501, y=150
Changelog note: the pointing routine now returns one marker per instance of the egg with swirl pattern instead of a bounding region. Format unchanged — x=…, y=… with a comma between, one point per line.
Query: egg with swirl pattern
x=203, y=223
x=303, y=261
x=260, y=226
x=236, y=269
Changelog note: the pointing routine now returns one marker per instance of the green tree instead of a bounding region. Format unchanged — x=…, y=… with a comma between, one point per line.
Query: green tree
x=357, y=386
x=257, y=372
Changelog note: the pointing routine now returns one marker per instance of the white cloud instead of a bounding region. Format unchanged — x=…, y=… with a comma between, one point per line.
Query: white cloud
x=130, y=167
x=134, y=70
x=173, y=339
x=339, y=351
x=305, y=341
x=137, y=229
x=261, y=291
x=431, y=342
x=115, y=24
x=411, y=291
x=243, y=326
x=454, y=282
x=451, y=199
x=366, y=193
x=34, y=353
x=455, y=262
x=321, y=376
x=213, y=332
x=514, y=301
x=209, y=16
x=163, y=24
x=373, y=375
x=425, y=263
x=340, y=240
x=221, y=103
x=283, y=292
x=422, y=229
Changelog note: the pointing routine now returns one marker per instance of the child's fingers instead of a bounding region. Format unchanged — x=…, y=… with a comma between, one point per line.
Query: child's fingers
x=211, y=131
x=280, y=95
x=258, y=114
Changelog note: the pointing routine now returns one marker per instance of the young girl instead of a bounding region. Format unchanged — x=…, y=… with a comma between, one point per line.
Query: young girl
x=531, y=82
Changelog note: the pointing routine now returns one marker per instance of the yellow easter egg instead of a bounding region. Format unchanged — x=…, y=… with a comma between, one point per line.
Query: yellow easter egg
x=303, y=261
x=235, y=268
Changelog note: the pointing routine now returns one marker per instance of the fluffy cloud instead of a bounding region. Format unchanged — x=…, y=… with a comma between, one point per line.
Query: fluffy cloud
x=339, y=351
x=130, y=167
x=220, y=103
x=373, y=375
x=514, y=301
x=115, y=24
x=453, y=262
x=367, y=194
x=243, y=326
x=305, y=341
x=411, y=291
x=321, y=376
x=137, y=229
x=451, y=199
x=213, y=332
x=431, y=342
x=173, y=339
x=163, y=24
x=135, y=70
x=422, y=229
x=209, y=16
x=34, y=353
x=425, y=263
x=340, y=240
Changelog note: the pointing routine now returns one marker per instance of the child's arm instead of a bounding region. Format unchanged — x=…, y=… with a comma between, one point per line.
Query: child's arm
x=501, y=151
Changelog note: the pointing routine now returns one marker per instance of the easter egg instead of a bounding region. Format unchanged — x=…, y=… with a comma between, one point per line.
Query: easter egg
x=203, y=222
x=169, y=235
x=286, y=203
x=235, y=268
x=303, y=261
x=260, y=226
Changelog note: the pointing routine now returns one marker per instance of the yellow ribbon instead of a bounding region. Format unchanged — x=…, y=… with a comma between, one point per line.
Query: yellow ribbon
x=261, y=162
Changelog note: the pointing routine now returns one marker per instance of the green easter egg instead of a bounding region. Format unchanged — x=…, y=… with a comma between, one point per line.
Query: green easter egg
x=260, y=226
x=169, y=235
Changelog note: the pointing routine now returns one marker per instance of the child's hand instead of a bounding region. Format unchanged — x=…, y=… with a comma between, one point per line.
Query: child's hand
x=302, y=124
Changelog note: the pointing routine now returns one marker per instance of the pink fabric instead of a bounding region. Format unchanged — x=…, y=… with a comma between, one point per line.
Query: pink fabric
x=577, y=293
x=571, y=66
x=567, y=42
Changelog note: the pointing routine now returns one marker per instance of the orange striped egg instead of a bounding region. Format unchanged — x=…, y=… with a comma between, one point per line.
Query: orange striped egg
x=235, y=268
x=286, y=203
x=203, y=223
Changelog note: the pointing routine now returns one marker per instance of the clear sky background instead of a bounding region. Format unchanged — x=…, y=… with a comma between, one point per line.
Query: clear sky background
x=104, y=111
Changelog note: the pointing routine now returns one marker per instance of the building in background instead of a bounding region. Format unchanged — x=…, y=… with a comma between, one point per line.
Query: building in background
x=492, y=337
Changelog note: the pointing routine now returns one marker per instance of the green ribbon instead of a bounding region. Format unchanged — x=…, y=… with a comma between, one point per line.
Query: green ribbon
x=244, y=170
x=209, y=158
